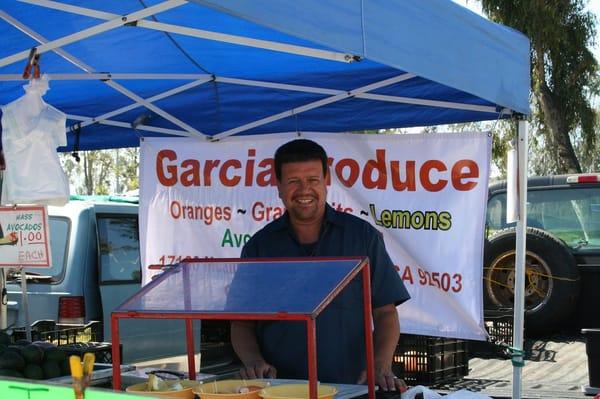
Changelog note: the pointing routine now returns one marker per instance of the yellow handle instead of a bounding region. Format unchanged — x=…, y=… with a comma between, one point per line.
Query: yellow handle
x=88, y=363
x=76, y=367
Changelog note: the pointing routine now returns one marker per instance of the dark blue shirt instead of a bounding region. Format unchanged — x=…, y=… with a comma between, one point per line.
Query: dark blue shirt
x=340, y=328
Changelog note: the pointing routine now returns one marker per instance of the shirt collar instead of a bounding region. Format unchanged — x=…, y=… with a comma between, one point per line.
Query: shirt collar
x=331, y=216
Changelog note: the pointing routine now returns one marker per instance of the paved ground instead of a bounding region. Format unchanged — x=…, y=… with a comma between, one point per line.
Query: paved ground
x=555, y=367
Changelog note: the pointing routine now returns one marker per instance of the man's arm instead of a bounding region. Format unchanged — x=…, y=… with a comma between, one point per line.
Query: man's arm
x=245, y=344
x=385, y=339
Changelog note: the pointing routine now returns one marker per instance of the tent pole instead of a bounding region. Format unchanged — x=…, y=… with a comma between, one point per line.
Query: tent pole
x=316, y=104
x=3, y=308
x=122, y=110
x=127, y=125
x=116, y=86
x=205, y=34
x=517, y=359
x=117, y=22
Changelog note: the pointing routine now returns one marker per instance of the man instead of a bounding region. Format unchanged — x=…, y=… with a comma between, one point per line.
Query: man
x=310, y=227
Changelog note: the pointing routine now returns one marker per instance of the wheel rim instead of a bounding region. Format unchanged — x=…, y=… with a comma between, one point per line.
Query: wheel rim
x=500, y=281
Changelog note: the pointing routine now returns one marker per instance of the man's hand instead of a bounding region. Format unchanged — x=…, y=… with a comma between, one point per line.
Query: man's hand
x=385, y=339
x=260, y=369
x=243, y=339
x=386, y=380
x=10, y=239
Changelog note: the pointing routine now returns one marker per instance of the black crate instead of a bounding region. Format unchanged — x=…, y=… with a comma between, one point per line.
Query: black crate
x=61, y=334
x=101, y=350
x=423, y=360
x=499, y=325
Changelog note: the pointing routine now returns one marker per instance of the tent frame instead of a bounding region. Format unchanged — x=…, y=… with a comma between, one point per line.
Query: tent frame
x=137, y=19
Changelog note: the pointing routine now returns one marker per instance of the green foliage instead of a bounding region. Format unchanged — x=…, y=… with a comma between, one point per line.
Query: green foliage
x=103, y=172
x=564, y=76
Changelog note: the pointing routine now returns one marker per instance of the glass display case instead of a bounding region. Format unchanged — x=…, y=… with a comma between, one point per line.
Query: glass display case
x=249, y=289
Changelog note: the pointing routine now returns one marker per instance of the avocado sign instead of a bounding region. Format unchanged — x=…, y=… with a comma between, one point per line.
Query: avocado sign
x=24, y=239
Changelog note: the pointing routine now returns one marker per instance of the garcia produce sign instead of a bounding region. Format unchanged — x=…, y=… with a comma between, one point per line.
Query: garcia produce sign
x=425, y=193
x=24, y=236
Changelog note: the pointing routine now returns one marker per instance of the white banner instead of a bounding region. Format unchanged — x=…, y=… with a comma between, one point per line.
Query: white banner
x=426, y=193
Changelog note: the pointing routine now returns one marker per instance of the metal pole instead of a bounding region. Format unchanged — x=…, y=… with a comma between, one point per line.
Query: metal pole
x=311, y=331
x=25, y=302
x=3, y=300
x=368, y=325
x=116, y=353
x=520, y=260
x=189, y=334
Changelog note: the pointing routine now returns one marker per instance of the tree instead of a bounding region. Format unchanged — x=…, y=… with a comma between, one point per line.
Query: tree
x=564, y=73
x=103, y=172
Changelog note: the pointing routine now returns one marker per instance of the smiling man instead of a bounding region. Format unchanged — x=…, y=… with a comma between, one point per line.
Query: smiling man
x=311, y=227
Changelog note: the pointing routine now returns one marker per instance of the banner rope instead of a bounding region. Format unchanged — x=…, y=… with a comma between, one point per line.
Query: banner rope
x=532, y=273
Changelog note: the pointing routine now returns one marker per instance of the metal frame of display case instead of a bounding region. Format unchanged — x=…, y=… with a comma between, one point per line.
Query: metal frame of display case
x=310, y=319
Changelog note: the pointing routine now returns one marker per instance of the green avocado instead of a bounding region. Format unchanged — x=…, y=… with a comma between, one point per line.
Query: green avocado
x=33, y=371
x=11, y=360
x=51, y=369
x=54, y=355
x=65, y=367
x=32, y=354
x=10, y=373
x=13, y=348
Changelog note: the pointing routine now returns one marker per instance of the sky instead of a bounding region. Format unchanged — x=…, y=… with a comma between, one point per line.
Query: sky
x=593, y=6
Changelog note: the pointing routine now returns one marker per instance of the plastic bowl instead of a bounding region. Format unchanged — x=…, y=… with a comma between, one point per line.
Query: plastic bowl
x=296, y=391
x=229, y=389
x=185, y=393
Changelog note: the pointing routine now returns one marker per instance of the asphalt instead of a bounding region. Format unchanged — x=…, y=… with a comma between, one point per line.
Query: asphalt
x=555, y=367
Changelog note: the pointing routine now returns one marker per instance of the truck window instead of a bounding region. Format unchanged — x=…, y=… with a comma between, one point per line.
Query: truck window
x=59, y=237
x=571, y=214
x=119, y=249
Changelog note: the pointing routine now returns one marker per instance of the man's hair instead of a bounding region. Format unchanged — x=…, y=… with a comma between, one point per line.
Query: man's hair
x=299, y=150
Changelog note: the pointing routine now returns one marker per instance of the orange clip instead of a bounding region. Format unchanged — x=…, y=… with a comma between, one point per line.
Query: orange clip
x=33, y=61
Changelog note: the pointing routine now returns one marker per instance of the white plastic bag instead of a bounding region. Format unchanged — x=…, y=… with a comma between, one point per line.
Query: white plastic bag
x=427, y=393
x=31, y=132
x=464, y=394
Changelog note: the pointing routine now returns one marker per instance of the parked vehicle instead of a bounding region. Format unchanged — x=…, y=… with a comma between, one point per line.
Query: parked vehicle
x=563, y=251
x=96, y=266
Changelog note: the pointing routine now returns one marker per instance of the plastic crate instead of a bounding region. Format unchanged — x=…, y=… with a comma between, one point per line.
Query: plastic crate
x=101, y=350
x=499, y=325
x=423, y=360
x=61, y=334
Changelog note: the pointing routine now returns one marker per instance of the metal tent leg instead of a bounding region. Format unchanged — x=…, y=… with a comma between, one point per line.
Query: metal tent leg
x=520, y=260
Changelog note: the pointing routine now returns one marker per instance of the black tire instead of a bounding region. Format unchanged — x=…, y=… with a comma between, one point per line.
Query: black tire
x=551, y=284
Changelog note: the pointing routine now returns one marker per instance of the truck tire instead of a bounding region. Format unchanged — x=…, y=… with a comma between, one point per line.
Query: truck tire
x=551, y=282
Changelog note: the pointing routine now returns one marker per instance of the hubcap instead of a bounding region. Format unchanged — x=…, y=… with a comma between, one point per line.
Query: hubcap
x=500, y=281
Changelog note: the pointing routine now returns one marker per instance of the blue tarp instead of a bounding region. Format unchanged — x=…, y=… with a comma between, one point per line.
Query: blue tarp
x=455, y=56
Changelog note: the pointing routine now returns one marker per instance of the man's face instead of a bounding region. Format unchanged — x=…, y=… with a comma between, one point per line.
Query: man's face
x=303, y=191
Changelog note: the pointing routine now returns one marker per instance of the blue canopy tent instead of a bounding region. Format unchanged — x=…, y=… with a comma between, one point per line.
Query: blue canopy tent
x=217, y=68
x=121, y=69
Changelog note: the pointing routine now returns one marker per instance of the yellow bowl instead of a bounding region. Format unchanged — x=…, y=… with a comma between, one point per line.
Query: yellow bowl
x=230, y=389
x=296, y=391
x=185, y=393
